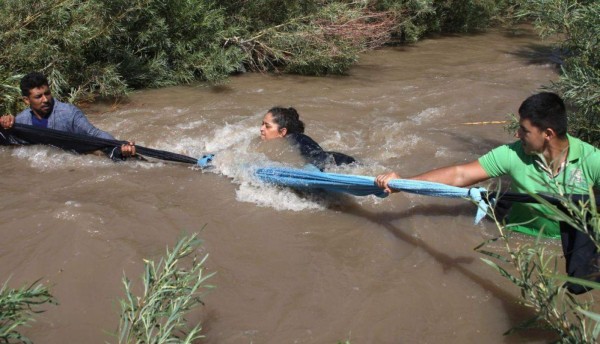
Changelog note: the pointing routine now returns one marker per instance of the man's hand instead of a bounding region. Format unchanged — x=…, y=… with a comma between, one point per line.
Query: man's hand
x=382, y=181
x=7, y=121
x=128, y=149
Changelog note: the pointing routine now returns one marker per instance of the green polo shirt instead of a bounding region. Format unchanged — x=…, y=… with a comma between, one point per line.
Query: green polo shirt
x=581, y=171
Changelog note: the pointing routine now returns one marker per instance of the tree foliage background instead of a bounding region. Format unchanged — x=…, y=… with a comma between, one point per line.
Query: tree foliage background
x=577, y=24
x=91, y=48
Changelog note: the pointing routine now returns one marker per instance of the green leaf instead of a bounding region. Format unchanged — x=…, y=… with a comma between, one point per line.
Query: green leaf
x=583, y=282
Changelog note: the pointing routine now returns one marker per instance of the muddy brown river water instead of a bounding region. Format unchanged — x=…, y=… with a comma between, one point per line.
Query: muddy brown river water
x=290, y=268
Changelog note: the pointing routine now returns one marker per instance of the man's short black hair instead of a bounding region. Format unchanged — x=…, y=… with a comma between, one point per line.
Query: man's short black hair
x=32, y=80
x=545, y=110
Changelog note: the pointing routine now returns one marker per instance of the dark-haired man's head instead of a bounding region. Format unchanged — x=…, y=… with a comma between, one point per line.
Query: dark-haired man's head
x=543, y=121
x=31, y=81
x=545, y=110
x=36, y=93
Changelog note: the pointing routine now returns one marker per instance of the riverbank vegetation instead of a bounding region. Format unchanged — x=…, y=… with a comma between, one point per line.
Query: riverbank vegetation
x=535, y=271
x=577, y=26
x=98, y=48
x=17, y=308
x=105, y=48
x=171, y=289
x=539, y=275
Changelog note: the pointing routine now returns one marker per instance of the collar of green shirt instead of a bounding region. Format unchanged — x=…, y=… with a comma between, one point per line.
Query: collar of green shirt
x=575, y=150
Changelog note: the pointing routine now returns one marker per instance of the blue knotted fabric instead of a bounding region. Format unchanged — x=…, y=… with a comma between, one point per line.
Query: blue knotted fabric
x=442, y=190
x=205, y=160
x=311, y=179
x=364, y=185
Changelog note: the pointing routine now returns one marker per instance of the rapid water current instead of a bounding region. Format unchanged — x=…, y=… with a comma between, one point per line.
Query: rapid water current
x=291, y=268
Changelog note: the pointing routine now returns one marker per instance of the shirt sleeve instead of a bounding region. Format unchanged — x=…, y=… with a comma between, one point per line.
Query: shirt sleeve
x=496, y=162
x=81, y=125
x=593, y=162
x=24, y=117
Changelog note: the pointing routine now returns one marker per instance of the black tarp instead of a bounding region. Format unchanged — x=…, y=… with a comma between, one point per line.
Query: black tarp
x=23, y=134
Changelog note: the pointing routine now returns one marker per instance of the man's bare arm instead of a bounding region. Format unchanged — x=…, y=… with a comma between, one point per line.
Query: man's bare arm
x=456, y=175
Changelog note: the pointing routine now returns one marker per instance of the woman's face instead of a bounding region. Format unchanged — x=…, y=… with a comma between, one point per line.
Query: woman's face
x=269, y=129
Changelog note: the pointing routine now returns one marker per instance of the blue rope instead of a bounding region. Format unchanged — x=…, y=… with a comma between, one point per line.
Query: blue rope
x=310, y=179
x=442, y=190
x=363, y=185
x=205, y=160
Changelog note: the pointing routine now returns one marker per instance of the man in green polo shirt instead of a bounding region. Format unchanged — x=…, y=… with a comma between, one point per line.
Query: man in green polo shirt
x=544, y=160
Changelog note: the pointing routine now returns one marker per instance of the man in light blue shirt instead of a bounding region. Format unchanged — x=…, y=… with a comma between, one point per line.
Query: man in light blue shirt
x=46, y=112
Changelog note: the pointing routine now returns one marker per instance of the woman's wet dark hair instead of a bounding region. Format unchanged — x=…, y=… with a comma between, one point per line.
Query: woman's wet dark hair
x=31, y=81
x=287, y=118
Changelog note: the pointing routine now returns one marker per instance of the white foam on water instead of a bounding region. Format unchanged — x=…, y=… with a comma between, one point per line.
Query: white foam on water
x=401, y=137
x=274, y=197
x=400, y=146
x=186, y=145
x=66, y=215
x=74, y=204
x=231, y=135
x=348, y=142
x=441, y=152
x=239, y=162
x=426, y=116
x=192, y=124
x=238, y=152
x=46, y=158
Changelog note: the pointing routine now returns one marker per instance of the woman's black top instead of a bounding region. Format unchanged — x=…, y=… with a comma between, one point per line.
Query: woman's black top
x=314, y=154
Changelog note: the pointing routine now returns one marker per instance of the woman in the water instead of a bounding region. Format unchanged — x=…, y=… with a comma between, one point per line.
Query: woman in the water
x=285, y=123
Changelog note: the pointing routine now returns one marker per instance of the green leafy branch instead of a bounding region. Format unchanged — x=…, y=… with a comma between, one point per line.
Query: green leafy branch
x=170, y=292
x=17, y=309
